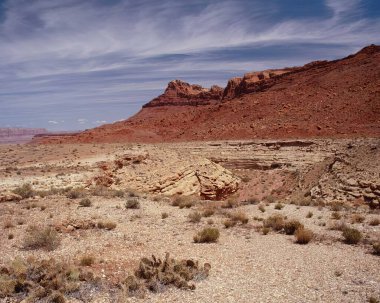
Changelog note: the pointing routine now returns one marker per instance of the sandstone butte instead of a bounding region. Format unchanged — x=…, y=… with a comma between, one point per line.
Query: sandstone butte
x=334, y=99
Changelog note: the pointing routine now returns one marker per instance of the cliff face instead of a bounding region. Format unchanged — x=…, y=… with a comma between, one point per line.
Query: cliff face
x=15, y=132
x=251, y=82
x=338, y=98
x=182, y=93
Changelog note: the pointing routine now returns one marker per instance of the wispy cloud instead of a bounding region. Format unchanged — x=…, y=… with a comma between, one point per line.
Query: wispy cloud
x=103, y=59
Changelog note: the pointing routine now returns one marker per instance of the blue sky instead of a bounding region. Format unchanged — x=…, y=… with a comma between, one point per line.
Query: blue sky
x=70, y=64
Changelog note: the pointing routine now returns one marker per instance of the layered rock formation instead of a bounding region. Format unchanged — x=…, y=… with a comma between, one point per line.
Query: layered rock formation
x=251, y=82
x=182, y=93
x=15, y=132
x=168, y=173
x=336, y=99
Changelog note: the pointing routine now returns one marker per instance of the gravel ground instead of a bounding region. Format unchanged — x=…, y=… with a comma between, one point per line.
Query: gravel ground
x=246, y=265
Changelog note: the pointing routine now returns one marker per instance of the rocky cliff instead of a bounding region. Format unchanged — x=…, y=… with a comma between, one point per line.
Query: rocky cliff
x=335, y=99
x=182, y=93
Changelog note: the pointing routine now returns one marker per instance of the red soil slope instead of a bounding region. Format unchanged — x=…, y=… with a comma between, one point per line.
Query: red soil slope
x=339, y=98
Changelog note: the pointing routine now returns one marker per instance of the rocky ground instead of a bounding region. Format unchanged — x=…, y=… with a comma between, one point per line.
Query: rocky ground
x=329, y=186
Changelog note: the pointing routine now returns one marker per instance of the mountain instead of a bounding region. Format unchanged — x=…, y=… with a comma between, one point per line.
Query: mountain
x=19, y=135
x=339, y=98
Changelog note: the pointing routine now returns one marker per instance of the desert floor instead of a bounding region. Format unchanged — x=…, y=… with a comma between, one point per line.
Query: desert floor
x=246, y=264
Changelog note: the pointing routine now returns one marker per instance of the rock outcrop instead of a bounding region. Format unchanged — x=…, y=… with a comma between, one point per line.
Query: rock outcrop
x=9, y=197
x=167, y=173
x=252, y=82
x=182, y=93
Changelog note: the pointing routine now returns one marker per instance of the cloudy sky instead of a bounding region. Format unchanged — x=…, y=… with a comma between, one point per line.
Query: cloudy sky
x=75, y=64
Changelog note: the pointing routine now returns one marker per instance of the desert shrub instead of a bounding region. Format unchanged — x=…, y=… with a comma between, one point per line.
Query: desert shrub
x=87, y=260
x=303, y=235
x=25, y=191
x=265, y=230
x=279, y=206
x=164, y=215
x=262, y=208
x=351, y=235
x=309, y=214
x=374, y=222
x=210, y=221
x=373, y=300
x=41, y=281
x=252, y=200
x=229, y=223
x=357, y=218
x=156, y=275
x=276, y=222
x=108, y=225
x=338, y=226
x=86, y=202
x=245, y=179
x=230, y=203
x=132, y=203
x=291, y=226
x=11, y=236
x=208, y=212
x=104, y=191
x=376, y=248
x=195, y=217
x=303, y=201
x=336, y=206
x=336, y=216
x=183, y=201
x=41, y=237
x=76, y=193
x=270, y=199
x=239, y=216
x=207, y=235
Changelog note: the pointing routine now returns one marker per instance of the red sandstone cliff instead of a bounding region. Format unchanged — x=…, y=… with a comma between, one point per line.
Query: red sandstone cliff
x=338, y=98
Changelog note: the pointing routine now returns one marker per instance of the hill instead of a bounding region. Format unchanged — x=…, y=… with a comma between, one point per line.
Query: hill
x=332, y=99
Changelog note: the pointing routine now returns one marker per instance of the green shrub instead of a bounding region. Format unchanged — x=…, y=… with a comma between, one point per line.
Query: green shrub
x=207, y=235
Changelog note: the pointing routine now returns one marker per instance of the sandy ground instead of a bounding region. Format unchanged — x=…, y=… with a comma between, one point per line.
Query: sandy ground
x=247, y=266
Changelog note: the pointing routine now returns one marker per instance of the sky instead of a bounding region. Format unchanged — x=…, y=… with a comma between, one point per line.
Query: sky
x=76, y=64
